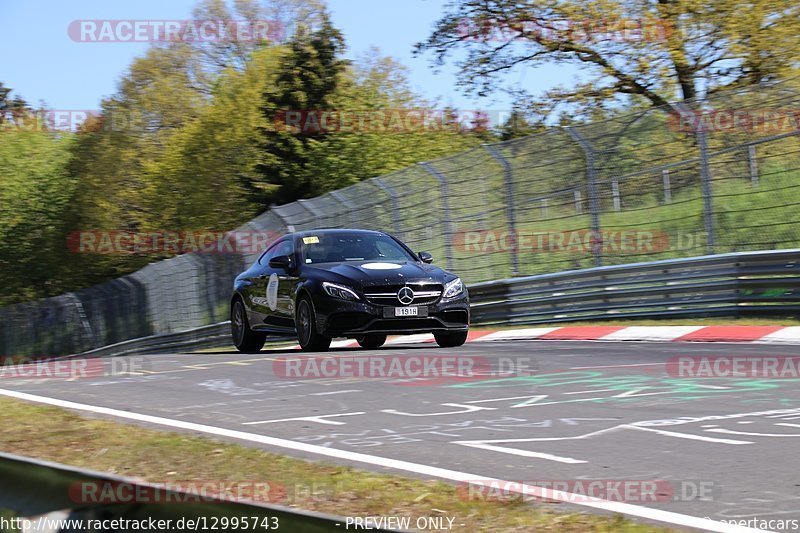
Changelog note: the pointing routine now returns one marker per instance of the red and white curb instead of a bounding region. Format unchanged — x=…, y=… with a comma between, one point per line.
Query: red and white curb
x=746, y=334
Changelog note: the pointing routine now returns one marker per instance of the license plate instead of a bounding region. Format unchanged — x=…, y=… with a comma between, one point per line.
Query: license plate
x=404, y=311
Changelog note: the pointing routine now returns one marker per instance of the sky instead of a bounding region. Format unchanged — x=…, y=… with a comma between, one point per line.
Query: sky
x=42, y=64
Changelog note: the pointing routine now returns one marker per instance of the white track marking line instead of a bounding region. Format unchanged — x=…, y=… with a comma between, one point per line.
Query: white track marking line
x=527, y=453
x=692, y=437
x=615, y=366
x=732, y=432
x=334, y=392
x=320, y=419
x=443, y=473
x=528, y=397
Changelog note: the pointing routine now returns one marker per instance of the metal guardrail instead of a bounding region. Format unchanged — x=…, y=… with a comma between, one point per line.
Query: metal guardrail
x=33, y=488
x=214, y=336
x=738, y=284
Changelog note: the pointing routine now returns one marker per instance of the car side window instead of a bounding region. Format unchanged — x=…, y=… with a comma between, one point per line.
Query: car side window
x=284, y=248
x=272, y=251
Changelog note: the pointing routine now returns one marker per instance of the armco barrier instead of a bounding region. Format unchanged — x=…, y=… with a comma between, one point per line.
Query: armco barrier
x=213, y=336
x=33, y=488
x=739, y=284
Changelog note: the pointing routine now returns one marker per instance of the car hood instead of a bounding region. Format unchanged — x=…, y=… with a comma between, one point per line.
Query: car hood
x=367, y=273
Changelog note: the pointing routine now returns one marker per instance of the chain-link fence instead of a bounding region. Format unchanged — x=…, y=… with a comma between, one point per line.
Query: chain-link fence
x=713, y=176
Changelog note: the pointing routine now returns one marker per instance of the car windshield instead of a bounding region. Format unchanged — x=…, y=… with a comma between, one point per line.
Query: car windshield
x=341, y=247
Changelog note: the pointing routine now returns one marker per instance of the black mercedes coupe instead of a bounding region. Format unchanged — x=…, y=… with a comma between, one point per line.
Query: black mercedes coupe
x=349, y=283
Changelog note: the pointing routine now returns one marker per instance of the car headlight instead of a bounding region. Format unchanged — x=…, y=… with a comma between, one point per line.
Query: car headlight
x=339, y=291
x=453, y=288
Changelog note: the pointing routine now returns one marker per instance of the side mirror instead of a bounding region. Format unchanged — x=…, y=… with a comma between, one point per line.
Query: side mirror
x=425, y=257
x=281, y=261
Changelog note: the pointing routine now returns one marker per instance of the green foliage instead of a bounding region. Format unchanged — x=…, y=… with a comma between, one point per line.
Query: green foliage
x=35, y=197
x=308, y=77
x=517, y=126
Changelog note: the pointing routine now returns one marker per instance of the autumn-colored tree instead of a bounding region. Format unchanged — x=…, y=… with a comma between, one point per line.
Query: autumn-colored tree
x=656, y=51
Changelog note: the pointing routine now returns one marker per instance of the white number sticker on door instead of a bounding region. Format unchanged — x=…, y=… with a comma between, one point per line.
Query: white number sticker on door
x=272, y=292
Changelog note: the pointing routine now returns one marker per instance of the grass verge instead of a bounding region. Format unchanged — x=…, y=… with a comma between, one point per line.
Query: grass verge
x=63, y=436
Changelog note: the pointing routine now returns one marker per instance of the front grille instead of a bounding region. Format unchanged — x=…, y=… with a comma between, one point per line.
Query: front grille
x=424, y=294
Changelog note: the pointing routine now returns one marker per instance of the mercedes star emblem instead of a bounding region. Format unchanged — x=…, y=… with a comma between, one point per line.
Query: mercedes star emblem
x=405, y=295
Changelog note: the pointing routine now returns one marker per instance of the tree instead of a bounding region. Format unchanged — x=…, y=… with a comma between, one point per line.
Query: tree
x=4, y=92
x=516, y=125
x=309, y=76
x=652, y=50
x=11, y=107
x=35, y=195
x=376, y=83
x=208, y=162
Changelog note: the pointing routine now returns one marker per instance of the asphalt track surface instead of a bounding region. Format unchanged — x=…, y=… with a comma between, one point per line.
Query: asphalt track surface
x=588, y=411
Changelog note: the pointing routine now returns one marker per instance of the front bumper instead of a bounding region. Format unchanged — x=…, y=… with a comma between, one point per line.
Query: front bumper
x=341, y=318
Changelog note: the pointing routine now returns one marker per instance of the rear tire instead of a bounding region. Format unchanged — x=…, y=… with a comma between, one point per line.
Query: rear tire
x=450, y=340
x=245, y=339
x=306, y=324
x=371, y=341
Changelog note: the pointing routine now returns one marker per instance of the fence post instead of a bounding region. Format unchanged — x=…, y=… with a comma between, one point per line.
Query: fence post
x=350, y=208
x=667, y=186
x=448, y=229
x=705, y=183
x=591, y=185
x=753, y=164
x=508, y=175
x=578, y=201
x=615, y=194
x=388, y=189
x=705, y=178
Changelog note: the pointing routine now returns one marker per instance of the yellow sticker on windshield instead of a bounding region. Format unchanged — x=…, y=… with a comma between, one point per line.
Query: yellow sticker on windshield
x=310, y=240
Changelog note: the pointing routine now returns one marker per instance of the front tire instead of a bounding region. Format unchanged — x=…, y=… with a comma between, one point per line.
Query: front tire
x=306, y=324
x=450, y=340
x=371, y=341
x=245, y=339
